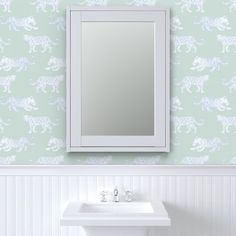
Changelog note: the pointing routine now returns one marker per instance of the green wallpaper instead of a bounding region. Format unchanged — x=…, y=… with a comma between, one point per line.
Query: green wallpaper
x=32, y=84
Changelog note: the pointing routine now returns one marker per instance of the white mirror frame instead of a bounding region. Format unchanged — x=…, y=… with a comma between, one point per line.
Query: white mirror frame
x=160, y=141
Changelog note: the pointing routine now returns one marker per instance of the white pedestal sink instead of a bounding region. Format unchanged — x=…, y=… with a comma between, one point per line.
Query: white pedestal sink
x=115, y=219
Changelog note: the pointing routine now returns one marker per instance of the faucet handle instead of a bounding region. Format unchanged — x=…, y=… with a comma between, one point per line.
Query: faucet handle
x=128, y=196
x=103, y=196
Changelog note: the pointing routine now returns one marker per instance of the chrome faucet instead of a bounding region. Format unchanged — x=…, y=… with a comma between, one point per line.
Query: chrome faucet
x=116, y=195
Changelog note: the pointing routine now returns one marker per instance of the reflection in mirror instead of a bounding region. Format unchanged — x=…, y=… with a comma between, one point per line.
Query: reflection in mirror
x=117, y=78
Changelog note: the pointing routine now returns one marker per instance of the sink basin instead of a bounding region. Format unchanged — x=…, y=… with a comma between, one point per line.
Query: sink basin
x=116, y=208
x=111, y=214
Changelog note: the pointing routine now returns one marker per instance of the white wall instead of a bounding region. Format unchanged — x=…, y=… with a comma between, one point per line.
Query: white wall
x=201, y=201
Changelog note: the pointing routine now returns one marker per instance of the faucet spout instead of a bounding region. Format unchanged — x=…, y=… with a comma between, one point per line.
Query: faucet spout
x=116, y=195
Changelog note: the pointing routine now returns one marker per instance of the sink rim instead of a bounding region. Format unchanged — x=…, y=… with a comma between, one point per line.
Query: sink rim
x=71, y=215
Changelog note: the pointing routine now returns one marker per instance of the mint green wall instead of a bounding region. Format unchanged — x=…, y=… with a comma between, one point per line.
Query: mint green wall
x=32, y=86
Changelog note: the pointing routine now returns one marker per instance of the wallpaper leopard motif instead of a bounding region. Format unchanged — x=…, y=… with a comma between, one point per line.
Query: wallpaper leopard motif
x=32, y=84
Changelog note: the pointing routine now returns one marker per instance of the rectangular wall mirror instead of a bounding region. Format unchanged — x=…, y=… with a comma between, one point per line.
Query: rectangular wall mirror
x=117, y=79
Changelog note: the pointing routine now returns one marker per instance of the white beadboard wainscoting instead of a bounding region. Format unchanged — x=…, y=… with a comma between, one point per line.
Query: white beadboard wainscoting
x=201, y=200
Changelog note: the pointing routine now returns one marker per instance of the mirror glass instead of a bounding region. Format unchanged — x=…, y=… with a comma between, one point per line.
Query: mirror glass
x=117, y=78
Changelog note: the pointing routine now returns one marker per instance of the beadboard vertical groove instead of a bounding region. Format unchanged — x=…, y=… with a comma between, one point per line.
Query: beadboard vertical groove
x=198, y=204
